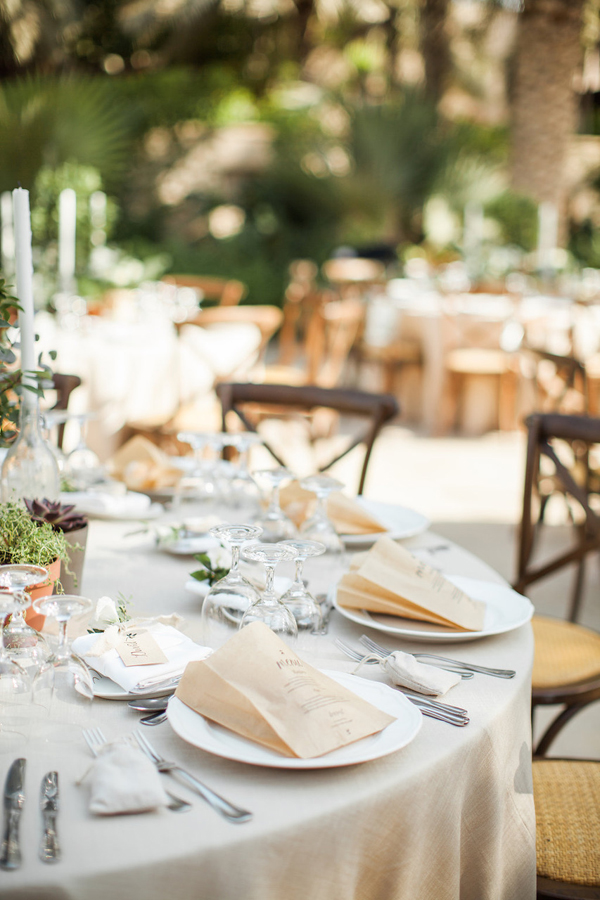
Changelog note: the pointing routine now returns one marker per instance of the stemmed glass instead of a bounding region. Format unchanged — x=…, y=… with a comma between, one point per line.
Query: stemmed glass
x=21, y=641
x=204, y=470
x=71, y=678
x=244, y=488
x=229, y=598
x=297, y=598
x=14, y=682
x=82, y=464
x=319, y=527
x=268, y=608
x=274, y=523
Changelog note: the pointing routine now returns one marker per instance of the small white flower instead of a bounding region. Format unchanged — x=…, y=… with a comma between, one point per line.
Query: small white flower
x=106, y=614
x=220, y=558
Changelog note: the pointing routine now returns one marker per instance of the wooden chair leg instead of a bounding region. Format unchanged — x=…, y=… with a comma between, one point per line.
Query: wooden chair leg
x=557, y=726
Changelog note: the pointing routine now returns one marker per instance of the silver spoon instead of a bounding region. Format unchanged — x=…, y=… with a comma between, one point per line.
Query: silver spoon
x=150, y=704
x=155, y=719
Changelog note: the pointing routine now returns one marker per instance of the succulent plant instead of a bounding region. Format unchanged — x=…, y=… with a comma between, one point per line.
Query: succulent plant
x=60, y=516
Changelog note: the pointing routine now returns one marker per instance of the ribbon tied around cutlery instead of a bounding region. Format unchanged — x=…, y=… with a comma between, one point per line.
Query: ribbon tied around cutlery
x=404, y=670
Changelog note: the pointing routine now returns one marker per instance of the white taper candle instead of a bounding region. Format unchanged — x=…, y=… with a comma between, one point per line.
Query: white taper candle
x=24, y=279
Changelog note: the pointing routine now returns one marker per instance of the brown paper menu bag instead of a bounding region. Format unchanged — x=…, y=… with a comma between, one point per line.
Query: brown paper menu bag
x=347, y=516
x=259, y=688
x=390, y=580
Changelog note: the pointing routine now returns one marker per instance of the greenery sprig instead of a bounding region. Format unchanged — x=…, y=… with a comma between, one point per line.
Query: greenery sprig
x=209, y=571
x=25, y=542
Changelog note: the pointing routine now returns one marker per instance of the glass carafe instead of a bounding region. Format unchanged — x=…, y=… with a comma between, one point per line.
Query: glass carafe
x=29, y=469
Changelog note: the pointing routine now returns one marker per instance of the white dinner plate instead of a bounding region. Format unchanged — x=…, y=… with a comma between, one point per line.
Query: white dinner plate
x=189, y=546
x=400, y=522
x=110, y=690
x=505, y=610
x=87, y=504
x=213, y=738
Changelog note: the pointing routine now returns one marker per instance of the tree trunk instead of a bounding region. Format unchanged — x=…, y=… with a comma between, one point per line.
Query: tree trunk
x=435, y=46
x=544, y=104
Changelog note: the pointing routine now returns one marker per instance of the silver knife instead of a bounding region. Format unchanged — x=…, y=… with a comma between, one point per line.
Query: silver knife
x=49, y=847
x=14, y=800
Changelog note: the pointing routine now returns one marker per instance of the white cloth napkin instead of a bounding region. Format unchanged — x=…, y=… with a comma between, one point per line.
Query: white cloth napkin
x=123, y=780
x=404, y=670
x=179, y=650
x=100, y=503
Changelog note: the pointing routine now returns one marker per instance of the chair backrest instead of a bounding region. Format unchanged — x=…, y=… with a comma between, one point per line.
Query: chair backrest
x=279, y=398
x=226, y=291
x=573, y=478
x=301, y=297
x=353, y=270
x=332, y=331
x=64, y=385
x=266, y=318
x=557, y=383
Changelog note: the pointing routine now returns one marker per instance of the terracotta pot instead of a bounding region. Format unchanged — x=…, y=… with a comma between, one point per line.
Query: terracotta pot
x=44, y=589
x=72, y=583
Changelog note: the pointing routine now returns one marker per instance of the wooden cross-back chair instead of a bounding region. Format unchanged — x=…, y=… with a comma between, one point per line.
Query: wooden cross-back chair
x=559, y=383
x=378, y=409
x=64, y=385
x=567, y=656
x=223, y=291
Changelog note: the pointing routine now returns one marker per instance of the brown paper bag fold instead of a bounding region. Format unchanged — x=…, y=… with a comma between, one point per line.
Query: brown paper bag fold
x=347, y=516
x=259, y=688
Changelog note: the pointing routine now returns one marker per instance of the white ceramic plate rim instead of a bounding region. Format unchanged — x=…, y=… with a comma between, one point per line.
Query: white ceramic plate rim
x=509, y=609
x=400, y=521
x=198, y=731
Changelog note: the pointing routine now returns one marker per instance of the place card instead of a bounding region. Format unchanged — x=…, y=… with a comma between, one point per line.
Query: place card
x=390, y=580
x=259, y=688
x=139, y=648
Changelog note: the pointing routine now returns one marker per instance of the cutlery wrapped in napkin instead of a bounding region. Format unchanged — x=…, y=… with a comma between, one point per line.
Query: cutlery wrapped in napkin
x=259, y=688
x=102, y=652
x=123, y=780
x=346, y=514
x=143, y=466
x=405, y=671
x=391, y=581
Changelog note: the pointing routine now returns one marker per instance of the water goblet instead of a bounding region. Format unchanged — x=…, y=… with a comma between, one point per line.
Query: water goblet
x=204, y=470
x=244, y=489
x=71, y=681
x=268, y=608
x=319, y=527
x=82, y=464
x=15, y=685
x=297, y=598
x=274, y=523
x=229, y=598
x=22, y=642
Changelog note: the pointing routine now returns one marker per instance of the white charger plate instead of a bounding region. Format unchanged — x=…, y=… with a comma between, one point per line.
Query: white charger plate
x=110, y=690
x=505, y=610
x=215, y=739
x=399, y=521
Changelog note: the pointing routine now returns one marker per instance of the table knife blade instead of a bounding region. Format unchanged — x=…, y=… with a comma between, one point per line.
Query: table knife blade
x=14, y=800
x=50, y=846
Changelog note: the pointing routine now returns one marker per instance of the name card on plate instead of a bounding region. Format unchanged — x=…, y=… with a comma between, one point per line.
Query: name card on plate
x=390, y=580
x=138, y=648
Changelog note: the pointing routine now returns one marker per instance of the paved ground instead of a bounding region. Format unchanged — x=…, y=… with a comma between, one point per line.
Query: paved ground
x=471, y=489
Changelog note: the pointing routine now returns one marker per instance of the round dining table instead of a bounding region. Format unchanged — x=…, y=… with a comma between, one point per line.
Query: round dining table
x=450, y=816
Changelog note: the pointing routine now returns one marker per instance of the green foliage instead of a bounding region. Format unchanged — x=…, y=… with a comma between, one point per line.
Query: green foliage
x=208, y=572
x=517, y=217
x=23, y=541
x=48, y=121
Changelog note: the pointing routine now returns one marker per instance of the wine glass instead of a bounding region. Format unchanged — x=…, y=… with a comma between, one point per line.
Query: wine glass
x=274, y=523
x=244, y=489
x=22, y=642
x=268, y=608
x=71, y=678
x=297, y=598
x=82, y=464
x=319, y=527
x=204, y=470
x=229, y=598
x=15, y=685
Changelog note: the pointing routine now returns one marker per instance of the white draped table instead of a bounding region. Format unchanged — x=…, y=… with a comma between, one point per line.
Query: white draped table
x=449, y=816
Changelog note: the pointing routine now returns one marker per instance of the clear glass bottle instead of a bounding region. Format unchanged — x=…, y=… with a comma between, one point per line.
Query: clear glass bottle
x=29, y=469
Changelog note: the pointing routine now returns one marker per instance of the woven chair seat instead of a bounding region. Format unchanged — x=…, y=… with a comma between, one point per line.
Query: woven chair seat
x=567, y=812
x=564, y=653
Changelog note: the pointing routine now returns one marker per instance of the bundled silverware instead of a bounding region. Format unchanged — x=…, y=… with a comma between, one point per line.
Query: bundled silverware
x=453, y=665
x=50, y=851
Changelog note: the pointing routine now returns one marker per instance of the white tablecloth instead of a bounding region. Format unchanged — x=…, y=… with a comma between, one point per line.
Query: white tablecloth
x=450, y=816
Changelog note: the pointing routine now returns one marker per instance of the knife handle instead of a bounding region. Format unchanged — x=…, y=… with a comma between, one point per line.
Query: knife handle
x=10, y=854
x=49, y=847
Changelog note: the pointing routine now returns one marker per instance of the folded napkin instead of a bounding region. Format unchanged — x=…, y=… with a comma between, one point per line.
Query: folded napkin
x=404, y=670
x=99, y=652
x=99, y=503
x=346, y=514
x=390, y=580
x=123, y=780
x=259, y=688
x=143, y=466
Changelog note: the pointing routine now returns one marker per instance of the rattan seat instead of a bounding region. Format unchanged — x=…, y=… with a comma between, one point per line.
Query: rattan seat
x=565, y=653
x=567, y=811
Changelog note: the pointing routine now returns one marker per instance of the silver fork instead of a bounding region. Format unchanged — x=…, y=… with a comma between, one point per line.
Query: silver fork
x=453, y=715
x=224, y=807
x=94, y=738
x=467, y=667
